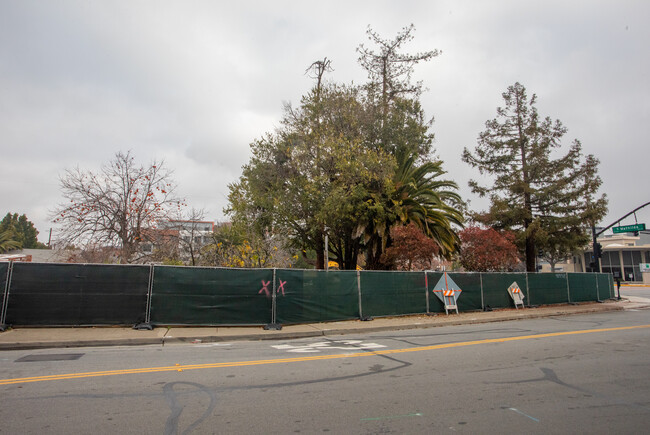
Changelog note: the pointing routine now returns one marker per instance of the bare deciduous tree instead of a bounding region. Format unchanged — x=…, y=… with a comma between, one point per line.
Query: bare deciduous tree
x=115, y=206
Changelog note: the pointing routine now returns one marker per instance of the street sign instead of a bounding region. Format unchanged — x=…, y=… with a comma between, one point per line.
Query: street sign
x=628, y=228
x=644, y=267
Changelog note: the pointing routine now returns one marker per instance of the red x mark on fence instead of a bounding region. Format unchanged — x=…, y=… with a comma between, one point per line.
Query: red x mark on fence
x=265, y=288
x=282, y=283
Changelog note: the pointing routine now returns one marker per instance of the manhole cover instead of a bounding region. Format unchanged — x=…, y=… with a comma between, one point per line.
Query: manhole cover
x=51, y=357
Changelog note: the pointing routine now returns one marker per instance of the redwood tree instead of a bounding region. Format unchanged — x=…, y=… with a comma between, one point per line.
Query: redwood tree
x=535, y=191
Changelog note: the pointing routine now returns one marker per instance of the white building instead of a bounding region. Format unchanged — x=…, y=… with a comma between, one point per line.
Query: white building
x=622, y=256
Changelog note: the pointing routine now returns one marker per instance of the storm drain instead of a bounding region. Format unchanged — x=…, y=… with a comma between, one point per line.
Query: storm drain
x=51, y=357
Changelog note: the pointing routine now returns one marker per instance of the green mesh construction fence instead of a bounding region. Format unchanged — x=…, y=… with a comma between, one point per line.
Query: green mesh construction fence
x=211, y=296
x=392, y=293
x=304, y=296
x=77, y=294
x=435, y=304
x=583, y=287
x=547, y=288
x=495, y=289
x=605, y=286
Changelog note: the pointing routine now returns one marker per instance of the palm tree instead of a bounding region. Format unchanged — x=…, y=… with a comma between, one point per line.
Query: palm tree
x=420, y=197
x=7, y=243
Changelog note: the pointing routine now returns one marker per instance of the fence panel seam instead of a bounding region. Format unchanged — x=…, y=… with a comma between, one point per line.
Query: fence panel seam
x=480, y=277
x=359, y=292
x=274, y=312
x=426, y=290
x=527, y=289
x=5, y=298
x=147, y=314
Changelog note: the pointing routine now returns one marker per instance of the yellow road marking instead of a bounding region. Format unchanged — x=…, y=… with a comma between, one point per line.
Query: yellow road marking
x=303, y=359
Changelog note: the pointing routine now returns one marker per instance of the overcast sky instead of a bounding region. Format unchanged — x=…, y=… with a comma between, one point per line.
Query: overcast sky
x=194, y=82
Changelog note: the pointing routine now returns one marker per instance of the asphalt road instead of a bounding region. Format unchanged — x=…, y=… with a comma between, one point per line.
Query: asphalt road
x=575, y=374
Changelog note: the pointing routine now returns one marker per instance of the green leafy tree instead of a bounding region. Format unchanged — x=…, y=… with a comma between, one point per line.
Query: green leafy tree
x=399, y=126
x=314, y=175
x=350, y=163
x=236, y=246
x=541, y=197
x=23, y=230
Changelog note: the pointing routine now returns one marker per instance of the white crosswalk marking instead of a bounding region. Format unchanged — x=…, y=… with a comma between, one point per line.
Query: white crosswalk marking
x=327, y=345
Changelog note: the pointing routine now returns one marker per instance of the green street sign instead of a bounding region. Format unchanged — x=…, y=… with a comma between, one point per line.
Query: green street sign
x=628, y=228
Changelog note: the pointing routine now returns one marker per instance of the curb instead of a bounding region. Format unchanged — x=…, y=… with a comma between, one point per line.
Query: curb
x=303, y=334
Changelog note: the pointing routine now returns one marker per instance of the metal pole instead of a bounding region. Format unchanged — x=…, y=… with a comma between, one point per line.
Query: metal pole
x=426, y=289
x=480, y=277
x=597, y=290
x=5, y=299
x=273, y=303
x=527, y=289
x=597, y=263
x=568, y=293
x=326, y=254
x=359, y=292
x=147, y=316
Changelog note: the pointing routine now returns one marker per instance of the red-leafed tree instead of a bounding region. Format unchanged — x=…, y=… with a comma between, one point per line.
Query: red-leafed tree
x=117, y=206
x=411, y=249
x=487, y=250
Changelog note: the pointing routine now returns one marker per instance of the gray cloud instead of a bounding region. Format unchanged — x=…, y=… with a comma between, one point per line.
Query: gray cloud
x=195, y=83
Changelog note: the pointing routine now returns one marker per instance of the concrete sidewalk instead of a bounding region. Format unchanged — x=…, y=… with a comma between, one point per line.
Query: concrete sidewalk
x=43, y=338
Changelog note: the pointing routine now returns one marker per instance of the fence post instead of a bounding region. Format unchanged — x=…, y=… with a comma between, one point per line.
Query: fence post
x=359, y=293
x=597, y=289
x=426, y=290
x=610, y=280
x=146, y=325
x=527, y=289
x=568, y=292
x=150, y=293
x=480, y=277
x=5, y=297
x=273, y=324
x=274, y=302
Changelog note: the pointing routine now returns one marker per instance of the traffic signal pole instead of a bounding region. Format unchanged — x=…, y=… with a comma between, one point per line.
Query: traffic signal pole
x=598, y=250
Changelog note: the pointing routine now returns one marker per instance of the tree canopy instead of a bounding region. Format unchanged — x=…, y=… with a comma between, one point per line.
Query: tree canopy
x=350, y=163
x=116, y=206
x=21, y=230
x=548, y=198
x=487, y=250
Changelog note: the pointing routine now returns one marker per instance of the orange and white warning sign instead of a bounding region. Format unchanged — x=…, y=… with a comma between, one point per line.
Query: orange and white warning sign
x=516, y=294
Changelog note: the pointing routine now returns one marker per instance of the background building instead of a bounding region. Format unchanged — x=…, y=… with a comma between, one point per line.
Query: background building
x=622, y=255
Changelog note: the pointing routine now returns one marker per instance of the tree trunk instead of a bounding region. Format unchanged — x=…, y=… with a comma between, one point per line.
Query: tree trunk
x=531, y=265
x=320, y=253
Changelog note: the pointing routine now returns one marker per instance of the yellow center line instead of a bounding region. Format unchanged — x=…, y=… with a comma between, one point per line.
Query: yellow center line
x=179, y=367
